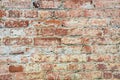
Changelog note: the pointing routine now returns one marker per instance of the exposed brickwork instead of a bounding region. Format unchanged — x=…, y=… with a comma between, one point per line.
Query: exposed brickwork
x=59, y=39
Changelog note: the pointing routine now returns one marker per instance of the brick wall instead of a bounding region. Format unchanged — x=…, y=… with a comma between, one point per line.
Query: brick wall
x=59, y=39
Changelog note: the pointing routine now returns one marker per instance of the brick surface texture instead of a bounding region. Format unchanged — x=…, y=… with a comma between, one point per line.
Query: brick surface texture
x=59, y=39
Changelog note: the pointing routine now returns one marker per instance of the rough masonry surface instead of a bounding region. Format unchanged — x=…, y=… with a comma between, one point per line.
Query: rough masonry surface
x=59, y=39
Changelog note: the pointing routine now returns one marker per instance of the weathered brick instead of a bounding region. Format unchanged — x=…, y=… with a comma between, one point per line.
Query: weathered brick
x=85, y=32
x=2, y=13
x=116, y=75
x=75, y=22
x=57, y=67
x=90, y=75
x=46, y=31
x=61, y=32
x=68, y=40
x=46, y=41
x=30, y=13
x=6, y=77
x=105, y=48
x=4, y=68
x=15, y=13
x=16, y=3
x=30, y=31
x=53, y=22
x=16, y=23
x=88, y=66
x=52, y=76
x=52, y=31
x=2, y=23
x=87, y=49
x=72, y=67
x=17, y=41
x=35, y=76
x=59, y=39
x=68, y=13
x=102, y=13
x=100, y=58
x=106, y=3
x=43, y=58
x=98, y=22
x=75, y=3
x=72, y=58
x=47, y=67
x=45, y=14
x=14, y=68
x=115, y=22
x=101, y=67
x=113, y=66
x=107, y=75
x=46, y=4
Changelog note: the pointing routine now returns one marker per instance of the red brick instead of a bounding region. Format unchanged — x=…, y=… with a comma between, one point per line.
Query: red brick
x=68, y=13
x=53, y=22
x=106, y=3
x=46, y=4
x=115, y=22
x=16, y=23
x=98, y=22
x=45, y=14
x=52, y=31
x=30, y=31
x=46, y=41
x=6, y=77
x=61, y=32
x=34, y=75
x=102, y=13
x=116, y=75
x=75, y=3
x=101, y=67
x=75, y=22
x=17, y=4
x=69, y=40
x=2, y=13
x=18, y=68
x=17, y=41
x=100, y=58
x=52, y=76
x=14, y=13
x=60, y=14
x=46, y=31
x=87, y=49
x=75, y=13
x=47, y=67
x=85, y=32
x=72, y=67
x=107, y=75
x=42, y=58
x=30, y=13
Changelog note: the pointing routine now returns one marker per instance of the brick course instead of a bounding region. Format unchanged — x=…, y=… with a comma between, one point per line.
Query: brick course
x=59, y=39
